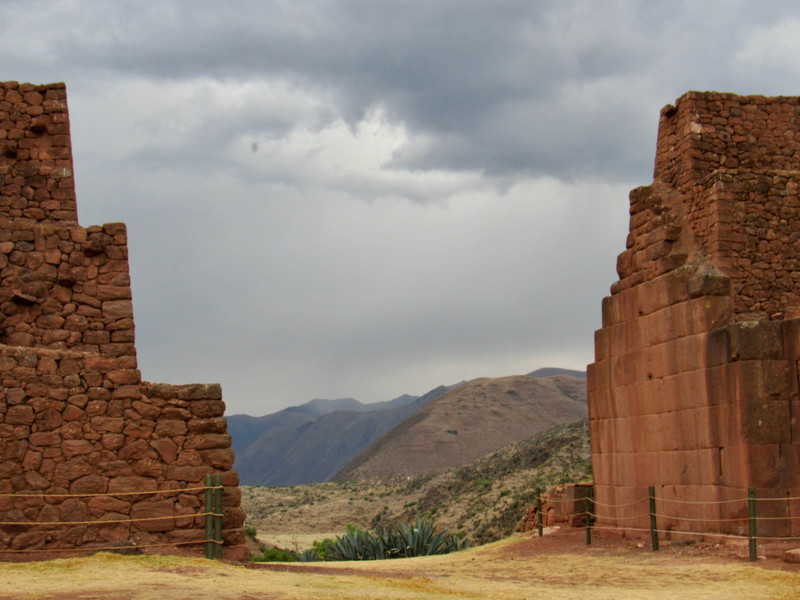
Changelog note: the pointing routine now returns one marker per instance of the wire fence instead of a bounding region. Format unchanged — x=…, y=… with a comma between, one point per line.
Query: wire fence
x=212, y=515
x=608, y=515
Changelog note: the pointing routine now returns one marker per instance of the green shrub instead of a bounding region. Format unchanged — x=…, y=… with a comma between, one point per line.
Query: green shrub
x=275, y=555
x=250, y=531
x=318, y=551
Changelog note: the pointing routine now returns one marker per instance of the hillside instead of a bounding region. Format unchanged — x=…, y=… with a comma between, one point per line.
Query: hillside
x=470, y=421
x=487, y=498
x=483, y=500
x=311, y=442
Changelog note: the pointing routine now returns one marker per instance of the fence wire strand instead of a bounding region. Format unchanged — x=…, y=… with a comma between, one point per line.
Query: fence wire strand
x=98, y=494
x=137, y=520
x=710, y=521
x=107, y=548
x=45, y=497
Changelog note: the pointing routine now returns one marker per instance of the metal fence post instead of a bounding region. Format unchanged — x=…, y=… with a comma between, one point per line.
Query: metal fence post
x=539, y=516
x=751, y=522
x=588, y=520
x=218, y=515
x=653, y=528
x=210, y=553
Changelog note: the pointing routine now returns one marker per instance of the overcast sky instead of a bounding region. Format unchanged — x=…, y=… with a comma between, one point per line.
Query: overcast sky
x=368, y=198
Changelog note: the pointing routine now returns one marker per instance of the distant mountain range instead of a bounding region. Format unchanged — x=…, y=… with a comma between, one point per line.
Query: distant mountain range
x=344, y=438
x=312, y=442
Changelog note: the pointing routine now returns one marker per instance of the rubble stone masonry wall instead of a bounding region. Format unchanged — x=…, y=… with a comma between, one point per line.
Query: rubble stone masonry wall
x=694, y=388
x=76, y=419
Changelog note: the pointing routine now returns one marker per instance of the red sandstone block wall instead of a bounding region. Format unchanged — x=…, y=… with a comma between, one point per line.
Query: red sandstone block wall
x=77, y=424
x=694, y=389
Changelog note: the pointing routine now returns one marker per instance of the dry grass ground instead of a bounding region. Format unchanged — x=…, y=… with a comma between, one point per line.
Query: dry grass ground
x=556, y=567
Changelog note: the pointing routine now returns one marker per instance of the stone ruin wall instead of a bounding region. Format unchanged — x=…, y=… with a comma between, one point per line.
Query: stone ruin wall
x=75, y=416
x=694, y=388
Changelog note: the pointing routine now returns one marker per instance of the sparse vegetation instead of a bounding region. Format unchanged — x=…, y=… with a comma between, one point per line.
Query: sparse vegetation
x=483, y=501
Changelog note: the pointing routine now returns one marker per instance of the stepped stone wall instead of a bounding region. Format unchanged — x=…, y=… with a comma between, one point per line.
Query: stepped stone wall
x=694, y=388
x=76, y=419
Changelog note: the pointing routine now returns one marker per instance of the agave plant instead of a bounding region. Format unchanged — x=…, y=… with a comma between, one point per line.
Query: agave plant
x=422, y=539
x=356, y=544
x=310, y=555
x=403, y=541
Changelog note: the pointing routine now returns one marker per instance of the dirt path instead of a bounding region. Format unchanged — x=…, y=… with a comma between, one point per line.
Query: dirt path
x=558, y=566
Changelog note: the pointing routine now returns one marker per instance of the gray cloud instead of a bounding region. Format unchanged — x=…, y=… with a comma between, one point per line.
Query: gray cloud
x=370, y=198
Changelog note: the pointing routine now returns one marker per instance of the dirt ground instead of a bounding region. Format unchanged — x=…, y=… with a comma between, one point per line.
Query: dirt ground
x=557, y=566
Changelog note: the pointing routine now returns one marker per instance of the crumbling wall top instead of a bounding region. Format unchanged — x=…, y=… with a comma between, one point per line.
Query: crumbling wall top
x=732, y=167
x=707, y=131
x=36, y=181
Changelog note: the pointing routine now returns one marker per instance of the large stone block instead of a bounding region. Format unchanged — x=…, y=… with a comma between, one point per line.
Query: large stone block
x=660, y=360
x=153, y=515
x=131, y=485
x=757, y=340
x=197, y=391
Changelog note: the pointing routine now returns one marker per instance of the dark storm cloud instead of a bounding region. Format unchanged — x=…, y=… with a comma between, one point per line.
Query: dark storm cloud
x=501, y=87
x=361, y=198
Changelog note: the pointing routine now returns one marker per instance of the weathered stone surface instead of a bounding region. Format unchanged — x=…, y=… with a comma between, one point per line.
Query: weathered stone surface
x=148, y=468
x=187, y=474
x=72, y=448
x=19, y=415
x=30, y=540
x=112, y=441
x=73, y=468
x=102, y=504
x=75, y=417
x=154, y=515
x=220, y=458
x=146, y=410
x=137, y=450
x=170, y=428
x=45, y=438
x=201, y=392
x=107, y=424
x=35, y=481
x=208, y=441
x=213, y=425
x=166, y=448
